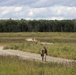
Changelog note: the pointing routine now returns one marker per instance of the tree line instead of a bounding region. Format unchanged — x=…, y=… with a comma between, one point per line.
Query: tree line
x=23, y=25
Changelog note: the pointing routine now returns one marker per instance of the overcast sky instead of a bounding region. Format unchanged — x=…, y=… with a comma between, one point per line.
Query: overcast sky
x=38, y=9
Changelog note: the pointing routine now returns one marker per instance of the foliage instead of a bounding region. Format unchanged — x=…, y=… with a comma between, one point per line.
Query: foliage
x=15, y=66
x=62, y=44
x=64, y=50
x=37, y=25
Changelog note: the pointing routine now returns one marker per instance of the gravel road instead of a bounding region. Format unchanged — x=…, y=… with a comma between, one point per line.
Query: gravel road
x=28, y=55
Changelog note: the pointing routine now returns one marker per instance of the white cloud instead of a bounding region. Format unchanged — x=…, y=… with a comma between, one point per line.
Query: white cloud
x=18, y=9
x=48, y=3
x=38, y=9
x=17, y=2
x=56, y=18
x=5, y=12
x=37, y=3
x=30, y=13
x=56, y=12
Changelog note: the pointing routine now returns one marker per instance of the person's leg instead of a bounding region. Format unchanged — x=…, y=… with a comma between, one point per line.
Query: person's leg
x=45, y=57
x=42, y=58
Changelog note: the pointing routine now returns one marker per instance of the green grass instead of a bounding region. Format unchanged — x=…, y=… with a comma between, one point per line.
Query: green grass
x=15, y=66
x=64, y=50
x=56, y=37
x=64, y=43
x=70, y=35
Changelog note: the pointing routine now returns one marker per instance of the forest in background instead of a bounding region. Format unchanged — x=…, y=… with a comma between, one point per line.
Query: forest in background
x=23, y=25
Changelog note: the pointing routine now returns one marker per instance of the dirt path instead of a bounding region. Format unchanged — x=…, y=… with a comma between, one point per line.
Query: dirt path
x=27, y=55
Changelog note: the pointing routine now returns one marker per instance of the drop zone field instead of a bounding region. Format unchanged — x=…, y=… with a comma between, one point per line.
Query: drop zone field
x=58, y=44
x=13, y=65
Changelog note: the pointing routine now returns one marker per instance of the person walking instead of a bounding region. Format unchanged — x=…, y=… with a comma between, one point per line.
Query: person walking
x=44, y=53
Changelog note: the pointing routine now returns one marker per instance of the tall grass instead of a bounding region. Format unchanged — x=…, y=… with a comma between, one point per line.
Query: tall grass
x=15, y=66
x=64, y=50
x=64, y=43
x=40, y=34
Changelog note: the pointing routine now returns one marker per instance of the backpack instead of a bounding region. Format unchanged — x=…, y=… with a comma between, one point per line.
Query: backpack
x=46, y=51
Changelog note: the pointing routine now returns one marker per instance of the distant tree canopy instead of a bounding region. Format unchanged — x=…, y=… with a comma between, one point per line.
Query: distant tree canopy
x=37, y=25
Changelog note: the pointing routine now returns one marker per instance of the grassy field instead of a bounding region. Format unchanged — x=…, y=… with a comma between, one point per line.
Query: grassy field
x=64, y=50
x=61, y=35
x=63, y=44
x=15, y=66
x=56, y=37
